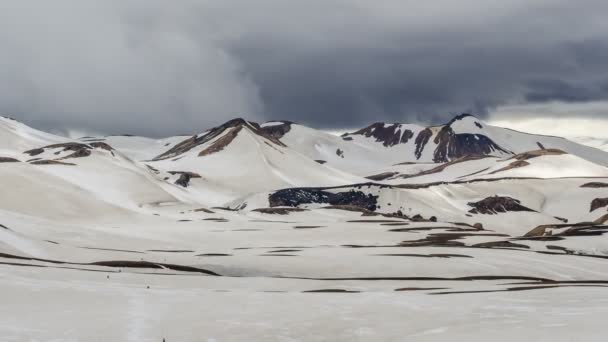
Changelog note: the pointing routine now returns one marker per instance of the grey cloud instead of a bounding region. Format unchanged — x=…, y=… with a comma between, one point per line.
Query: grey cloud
x=159, y=68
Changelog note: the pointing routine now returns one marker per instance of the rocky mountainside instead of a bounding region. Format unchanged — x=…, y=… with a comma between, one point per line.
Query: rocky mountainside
x=284, y=213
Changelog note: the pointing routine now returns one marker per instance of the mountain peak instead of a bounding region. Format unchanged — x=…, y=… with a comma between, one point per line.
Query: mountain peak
x=225, y=134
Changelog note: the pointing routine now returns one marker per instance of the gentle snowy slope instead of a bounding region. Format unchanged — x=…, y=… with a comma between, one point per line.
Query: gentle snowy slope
x=16, y=137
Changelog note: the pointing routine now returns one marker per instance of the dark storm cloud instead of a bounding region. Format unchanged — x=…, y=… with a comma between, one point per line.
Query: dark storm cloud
x=158, y=68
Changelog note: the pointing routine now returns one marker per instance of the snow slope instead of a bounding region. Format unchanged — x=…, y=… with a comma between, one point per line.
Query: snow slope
x=270, y=232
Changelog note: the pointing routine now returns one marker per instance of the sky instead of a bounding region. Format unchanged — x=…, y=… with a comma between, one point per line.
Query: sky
x=160, y=68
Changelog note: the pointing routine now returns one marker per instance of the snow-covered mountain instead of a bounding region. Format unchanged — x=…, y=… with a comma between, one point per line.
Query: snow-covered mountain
x=279, y=211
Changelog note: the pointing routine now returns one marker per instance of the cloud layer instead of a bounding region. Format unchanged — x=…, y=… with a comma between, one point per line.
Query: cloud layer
x=156, y=67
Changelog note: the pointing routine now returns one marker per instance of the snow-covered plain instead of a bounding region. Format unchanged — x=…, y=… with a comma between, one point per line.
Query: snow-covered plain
x=104, y=238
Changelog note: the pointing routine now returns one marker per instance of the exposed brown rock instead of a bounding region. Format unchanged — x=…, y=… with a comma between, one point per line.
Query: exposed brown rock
x=8, y=160
x=197, y=140
x=443, y=166
x=500, y=244
x=278, y=211
x=537, y=153
x=496, y=204
x=382, y=176
x=388, y=135
x=514, y=165
x=79, y=150
x=222, y=142
x=599, y=203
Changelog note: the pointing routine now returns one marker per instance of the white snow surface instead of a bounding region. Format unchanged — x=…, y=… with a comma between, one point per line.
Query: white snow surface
x=108, y=247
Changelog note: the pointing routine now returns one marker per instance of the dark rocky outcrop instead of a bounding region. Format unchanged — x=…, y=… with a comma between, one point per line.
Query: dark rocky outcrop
x=451, y=145
x=598, y=203
x=595, y=185
x=388, y=135
x=102, y=145
x=497, y=204
x=298, y=196
x=277, y=131
x=421, y=140
x=34, y=152
x=184, y=177
x=8, y=160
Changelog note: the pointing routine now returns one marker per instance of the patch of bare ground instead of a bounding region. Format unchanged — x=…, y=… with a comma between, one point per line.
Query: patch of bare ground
x=514, y=165
x=308, y=227
x=446, y=256
x=537, y=153
x=8, y=160
x=331, y=291
x=113, y=250
x=222, y=142
x=213, y=254
x=204, y=210
x=170, y=250
x=465, y=278
x=500, y=244
x=497, y=204
x=277, y=254
x=421, y=289
x=224, y=208
x=382, y=176
x=443, y=166
x=216, y=219
x=564, y=230
x=595, y=185
x=374, y=221
x=285, y=251
x=118, y=264
x=279, y=211
x=513, y=289
x=51, y=162
x=4, y=227
x=598, y=203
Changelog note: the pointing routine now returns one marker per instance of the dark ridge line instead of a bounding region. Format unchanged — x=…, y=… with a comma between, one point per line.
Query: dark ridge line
x=465, y=278
x=118, y=263
x=446, y=256
x=331, y=291
x=112, y=250
x=514, y=289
